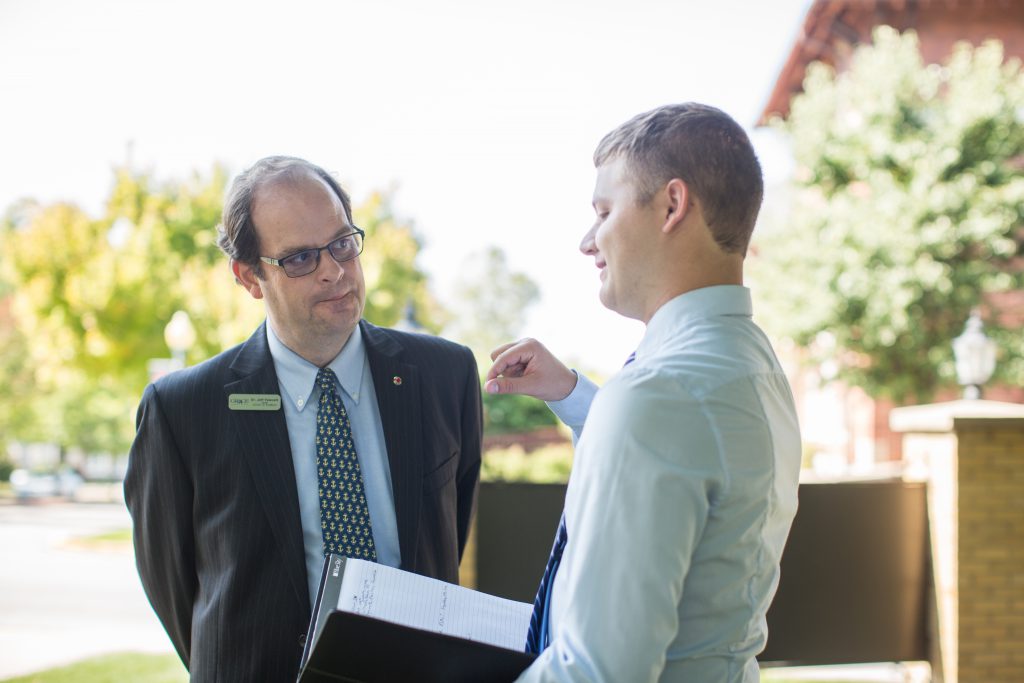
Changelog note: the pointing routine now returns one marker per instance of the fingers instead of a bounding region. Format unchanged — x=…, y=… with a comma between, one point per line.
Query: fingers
x=500, y=385
x=510, y=359
x=527, y=367
x=504, y=347
x=498, y=368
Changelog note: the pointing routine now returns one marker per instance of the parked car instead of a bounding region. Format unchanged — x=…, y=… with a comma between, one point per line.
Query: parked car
x=62, y=483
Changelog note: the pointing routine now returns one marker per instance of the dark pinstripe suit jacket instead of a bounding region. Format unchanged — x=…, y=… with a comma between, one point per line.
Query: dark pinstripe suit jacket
x=212, y=494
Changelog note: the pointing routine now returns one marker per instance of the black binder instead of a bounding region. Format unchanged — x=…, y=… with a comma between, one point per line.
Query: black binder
x=359, y=649
x=344, y=646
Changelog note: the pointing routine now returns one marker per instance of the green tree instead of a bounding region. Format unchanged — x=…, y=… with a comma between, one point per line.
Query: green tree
x=94, y=294
x=492, y=306
x=393, y=278
x=493, y=301
x=907, y=211
x=17, y=419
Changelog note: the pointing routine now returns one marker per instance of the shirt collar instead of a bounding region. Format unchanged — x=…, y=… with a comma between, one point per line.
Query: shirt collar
x=675, y=315
x=297, y=375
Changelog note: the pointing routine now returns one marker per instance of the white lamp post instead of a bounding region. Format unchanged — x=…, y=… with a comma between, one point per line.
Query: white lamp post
x=975, y=357
x=180, y=336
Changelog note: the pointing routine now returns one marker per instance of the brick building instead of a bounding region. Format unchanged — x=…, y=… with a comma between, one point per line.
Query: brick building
x=832, y=28
x=856, y=424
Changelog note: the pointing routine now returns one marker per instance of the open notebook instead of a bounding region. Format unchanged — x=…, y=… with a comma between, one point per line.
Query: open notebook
x=377, y=623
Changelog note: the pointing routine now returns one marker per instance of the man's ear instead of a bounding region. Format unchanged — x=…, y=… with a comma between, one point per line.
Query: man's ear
x=678, y=205
x=245, y=275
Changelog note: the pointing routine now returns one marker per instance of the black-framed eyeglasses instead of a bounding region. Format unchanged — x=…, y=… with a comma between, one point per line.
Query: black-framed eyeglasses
x=344, y=248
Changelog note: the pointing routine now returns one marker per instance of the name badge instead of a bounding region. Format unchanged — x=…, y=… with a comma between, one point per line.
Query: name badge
x=254, y=402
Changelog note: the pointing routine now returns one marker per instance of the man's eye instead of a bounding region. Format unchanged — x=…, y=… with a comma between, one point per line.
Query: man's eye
x=300, y=258
x=344, y=244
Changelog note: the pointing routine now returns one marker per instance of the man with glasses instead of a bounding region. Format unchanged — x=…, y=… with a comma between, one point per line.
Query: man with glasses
x=321, y=433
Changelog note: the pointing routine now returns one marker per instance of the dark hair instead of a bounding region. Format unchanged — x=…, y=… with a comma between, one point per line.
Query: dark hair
x=236, y=234
x=705, y=148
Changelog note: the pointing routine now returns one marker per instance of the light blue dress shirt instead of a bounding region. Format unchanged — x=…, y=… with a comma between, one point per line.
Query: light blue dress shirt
x=300, y=397
x=683, y=489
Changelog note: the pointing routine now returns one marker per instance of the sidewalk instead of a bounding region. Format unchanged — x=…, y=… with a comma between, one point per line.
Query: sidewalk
x=100, y=492
x=62, y=601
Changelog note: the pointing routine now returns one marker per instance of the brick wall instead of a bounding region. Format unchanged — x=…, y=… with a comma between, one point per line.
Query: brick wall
x=990, y=549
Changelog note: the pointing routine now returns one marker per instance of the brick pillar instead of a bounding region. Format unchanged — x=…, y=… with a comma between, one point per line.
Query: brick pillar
x=990, y=474
x=971, y=454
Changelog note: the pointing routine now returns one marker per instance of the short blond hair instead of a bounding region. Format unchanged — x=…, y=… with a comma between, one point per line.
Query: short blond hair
x=705, y=148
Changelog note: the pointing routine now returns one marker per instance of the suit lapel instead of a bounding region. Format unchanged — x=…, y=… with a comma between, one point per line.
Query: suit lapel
x=264, y=440
x=398, y=397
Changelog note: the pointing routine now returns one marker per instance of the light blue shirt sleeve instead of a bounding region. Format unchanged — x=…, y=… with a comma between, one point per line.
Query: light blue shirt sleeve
x=572, y=410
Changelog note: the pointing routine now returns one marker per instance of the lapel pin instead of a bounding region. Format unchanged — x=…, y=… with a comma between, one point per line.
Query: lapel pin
x=396, y=380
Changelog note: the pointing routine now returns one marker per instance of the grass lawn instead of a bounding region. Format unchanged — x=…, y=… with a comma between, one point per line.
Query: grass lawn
x=119, y=540
x=126, y=667
x=110, y=537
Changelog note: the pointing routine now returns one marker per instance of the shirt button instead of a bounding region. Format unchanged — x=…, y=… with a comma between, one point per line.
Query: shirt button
x=301, y=402
x=302, y=640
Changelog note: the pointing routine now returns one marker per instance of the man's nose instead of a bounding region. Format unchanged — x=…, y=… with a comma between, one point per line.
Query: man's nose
x=329, y=269
x=588, y=246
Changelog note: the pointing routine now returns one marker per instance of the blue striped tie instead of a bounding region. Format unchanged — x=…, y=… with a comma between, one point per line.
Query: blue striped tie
x=539, y=635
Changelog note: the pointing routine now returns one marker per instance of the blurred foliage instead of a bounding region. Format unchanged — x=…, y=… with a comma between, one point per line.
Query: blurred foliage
x=491, y=303
x=907, y=210
x=505, y=413
x=84, y=301
x=546, y=465
x=393, y=279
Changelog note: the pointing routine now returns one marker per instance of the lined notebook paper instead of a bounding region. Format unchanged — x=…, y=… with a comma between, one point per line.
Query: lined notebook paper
x=391, y=594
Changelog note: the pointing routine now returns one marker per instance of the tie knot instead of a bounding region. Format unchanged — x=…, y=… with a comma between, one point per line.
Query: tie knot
x=325, y=379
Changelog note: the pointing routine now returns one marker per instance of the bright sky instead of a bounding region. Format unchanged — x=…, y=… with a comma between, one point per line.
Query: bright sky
x=483, y=115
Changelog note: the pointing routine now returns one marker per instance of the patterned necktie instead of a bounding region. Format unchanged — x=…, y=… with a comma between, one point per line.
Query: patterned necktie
x=344, y=516
x=539, y=635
